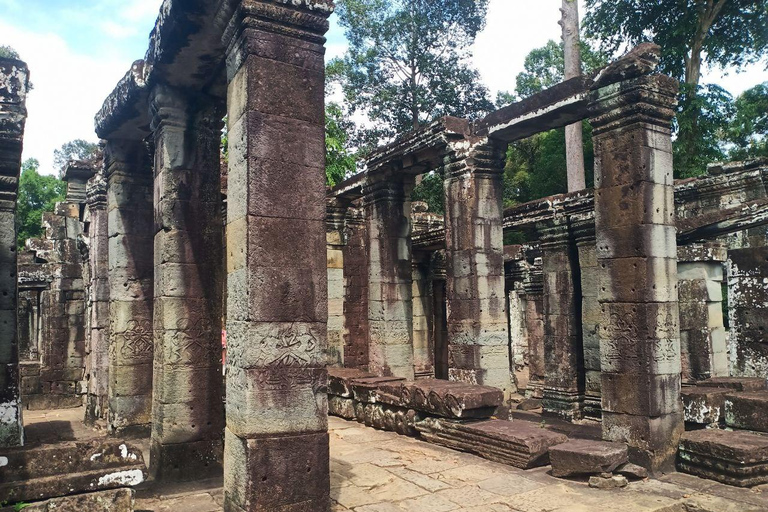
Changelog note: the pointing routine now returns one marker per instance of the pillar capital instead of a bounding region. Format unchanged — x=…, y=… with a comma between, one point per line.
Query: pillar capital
x=96, y=191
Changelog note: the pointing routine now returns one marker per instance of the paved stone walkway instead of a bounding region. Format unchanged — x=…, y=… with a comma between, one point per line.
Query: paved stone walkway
x=373, y=471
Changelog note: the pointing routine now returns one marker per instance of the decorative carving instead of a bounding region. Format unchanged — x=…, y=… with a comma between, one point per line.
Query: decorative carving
x=136, y=341
x=195, y=343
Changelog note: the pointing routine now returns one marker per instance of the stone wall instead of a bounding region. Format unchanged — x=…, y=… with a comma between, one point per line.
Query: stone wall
x=748, y=311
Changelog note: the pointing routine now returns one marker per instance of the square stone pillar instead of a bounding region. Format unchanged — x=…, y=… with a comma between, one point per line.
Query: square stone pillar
x=131, y=286
x=355, y=254
x=14, y=84
x=563, y=351
x=423, y=342
x=702, y=331
x=477, y=310
x=390, y=306
x=97, y=360
x=187, y=408
x=335, y=239
x=637, y=258
x=276, y=442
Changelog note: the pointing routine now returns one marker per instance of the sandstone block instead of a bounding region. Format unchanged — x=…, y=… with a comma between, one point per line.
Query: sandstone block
x=704, y=405
x=585, y=457
x=608, y=481
x=733, y=458
x=118, y=500
x=735, y=383
x=747, y=410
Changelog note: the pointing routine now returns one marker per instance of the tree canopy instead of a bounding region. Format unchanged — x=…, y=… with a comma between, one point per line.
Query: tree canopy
x=6, y=52
x=37, y=194
x=77, y=149
x=408, y=61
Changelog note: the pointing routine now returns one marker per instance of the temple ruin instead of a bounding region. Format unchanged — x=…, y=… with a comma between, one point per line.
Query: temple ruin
x=634, y=313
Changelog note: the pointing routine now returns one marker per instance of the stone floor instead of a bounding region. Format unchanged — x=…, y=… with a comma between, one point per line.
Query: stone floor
x=374, y=471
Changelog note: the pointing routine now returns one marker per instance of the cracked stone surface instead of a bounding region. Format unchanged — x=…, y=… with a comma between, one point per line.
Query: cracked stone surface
x=373, y=471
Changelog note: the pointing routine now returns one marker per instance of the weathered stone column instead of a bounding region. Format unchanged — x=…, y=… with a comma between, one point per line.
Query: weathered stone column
x=423, y=344
x=636, y=250
x=563, y=352
x=584, y=233
x=335, y=240
x=355, y=254
x=276, y=442
x=130, y=224
x=97, y=351
x=390, y=304
x=187, y=410
x=14, y=84
x=703, y=349
x=533, y=286
x=477, y=311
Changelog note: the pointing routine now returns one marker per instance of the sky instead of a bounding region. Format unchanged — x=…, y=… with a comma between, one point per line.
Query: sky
x=77, y=50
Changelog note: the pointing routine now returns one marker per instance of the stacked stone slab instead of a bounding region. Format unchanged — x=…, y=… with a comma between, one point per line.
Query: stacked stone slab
x=69, y=468
x=704, y=404
x=14, y=84
x=636, y=249
x=516, y=443
x=747, y=410
x=733, y=458
x=702, y=333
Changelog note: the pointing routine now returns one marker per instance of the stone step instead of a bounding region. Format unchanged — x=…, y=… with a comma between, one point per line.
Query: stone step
x=516, y=443
x=735, y=383
x=704, y=405
x=731, y=457
x=70, y=468
x=586, y=457
x=747, y=410
x=115, y=500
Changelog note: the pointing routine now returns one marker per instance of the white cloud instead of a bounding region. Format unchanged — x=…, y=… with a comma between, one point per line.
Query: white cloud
x=117, y=31
x=140, y=10
x=69, y=88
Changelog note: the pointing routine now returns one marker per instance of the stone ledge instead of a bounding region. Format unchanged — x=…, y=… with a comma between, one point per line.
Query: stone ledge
x=586, y=457
x=747, y=410
x=733, y=458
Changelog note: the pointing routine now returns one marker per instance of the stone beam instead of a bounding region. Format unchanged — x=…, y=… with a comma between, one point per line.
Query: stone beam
x=14, y=85
x=276, y=442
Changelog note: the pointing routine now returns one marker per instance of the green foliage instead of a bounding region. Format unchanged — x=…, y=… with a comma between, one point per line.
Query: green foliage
x=77, y=149
x=544, y=67
x=737, y=35
x=537, y=167
x=21, y=506
x=340, y=160
x=408, y=62
x=748, y=131
x=37, y=194
x=702, y=123
x=6, y=52
x=431, y=191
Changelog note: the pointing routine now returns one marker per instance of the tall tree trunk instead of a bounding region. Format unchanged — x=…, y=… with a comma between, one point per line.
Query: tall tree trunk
x=574, y=142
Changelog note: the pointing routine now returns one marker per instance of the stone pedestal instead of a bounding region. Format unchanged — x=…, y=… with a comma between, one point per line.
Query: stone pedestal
x=97, y=349
x=477, y=320
x=355, y=255
x=390, y=307
x=187, y=409
x=276, y=442
x=14, y=84
x=131, y=284
x=636, y=250
x=563, y=352
x=702, y=333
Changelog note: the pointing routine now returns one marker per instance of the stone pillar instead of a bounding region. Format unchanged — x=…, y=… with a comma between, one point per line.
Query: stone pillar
x=423, y=345
x=276, y=442
x=355, y=255
x=636, y=251
x=97, y=351
x=703, y=349
x=130, y=225
x=477, y=313
x=584, y=233
x=533, y=286
x=14, y=84
x=335, y=240
x=748, y=311
x=563, y=352
x=390, y=306
x=187, y=410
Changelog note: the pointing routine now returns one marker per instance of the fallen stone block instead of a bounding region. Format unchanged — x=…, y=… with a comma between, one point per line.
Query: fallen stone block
x=632, y=471
x=516, y=443
x=747, y=410
x=704, y=405
x=731, y=457
x=586, y=457
x=33, y=474
x=365, y=389
x=735, y=383
x=608, y=481
x=116, y=500
x=340, y=379
x=455, y=399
